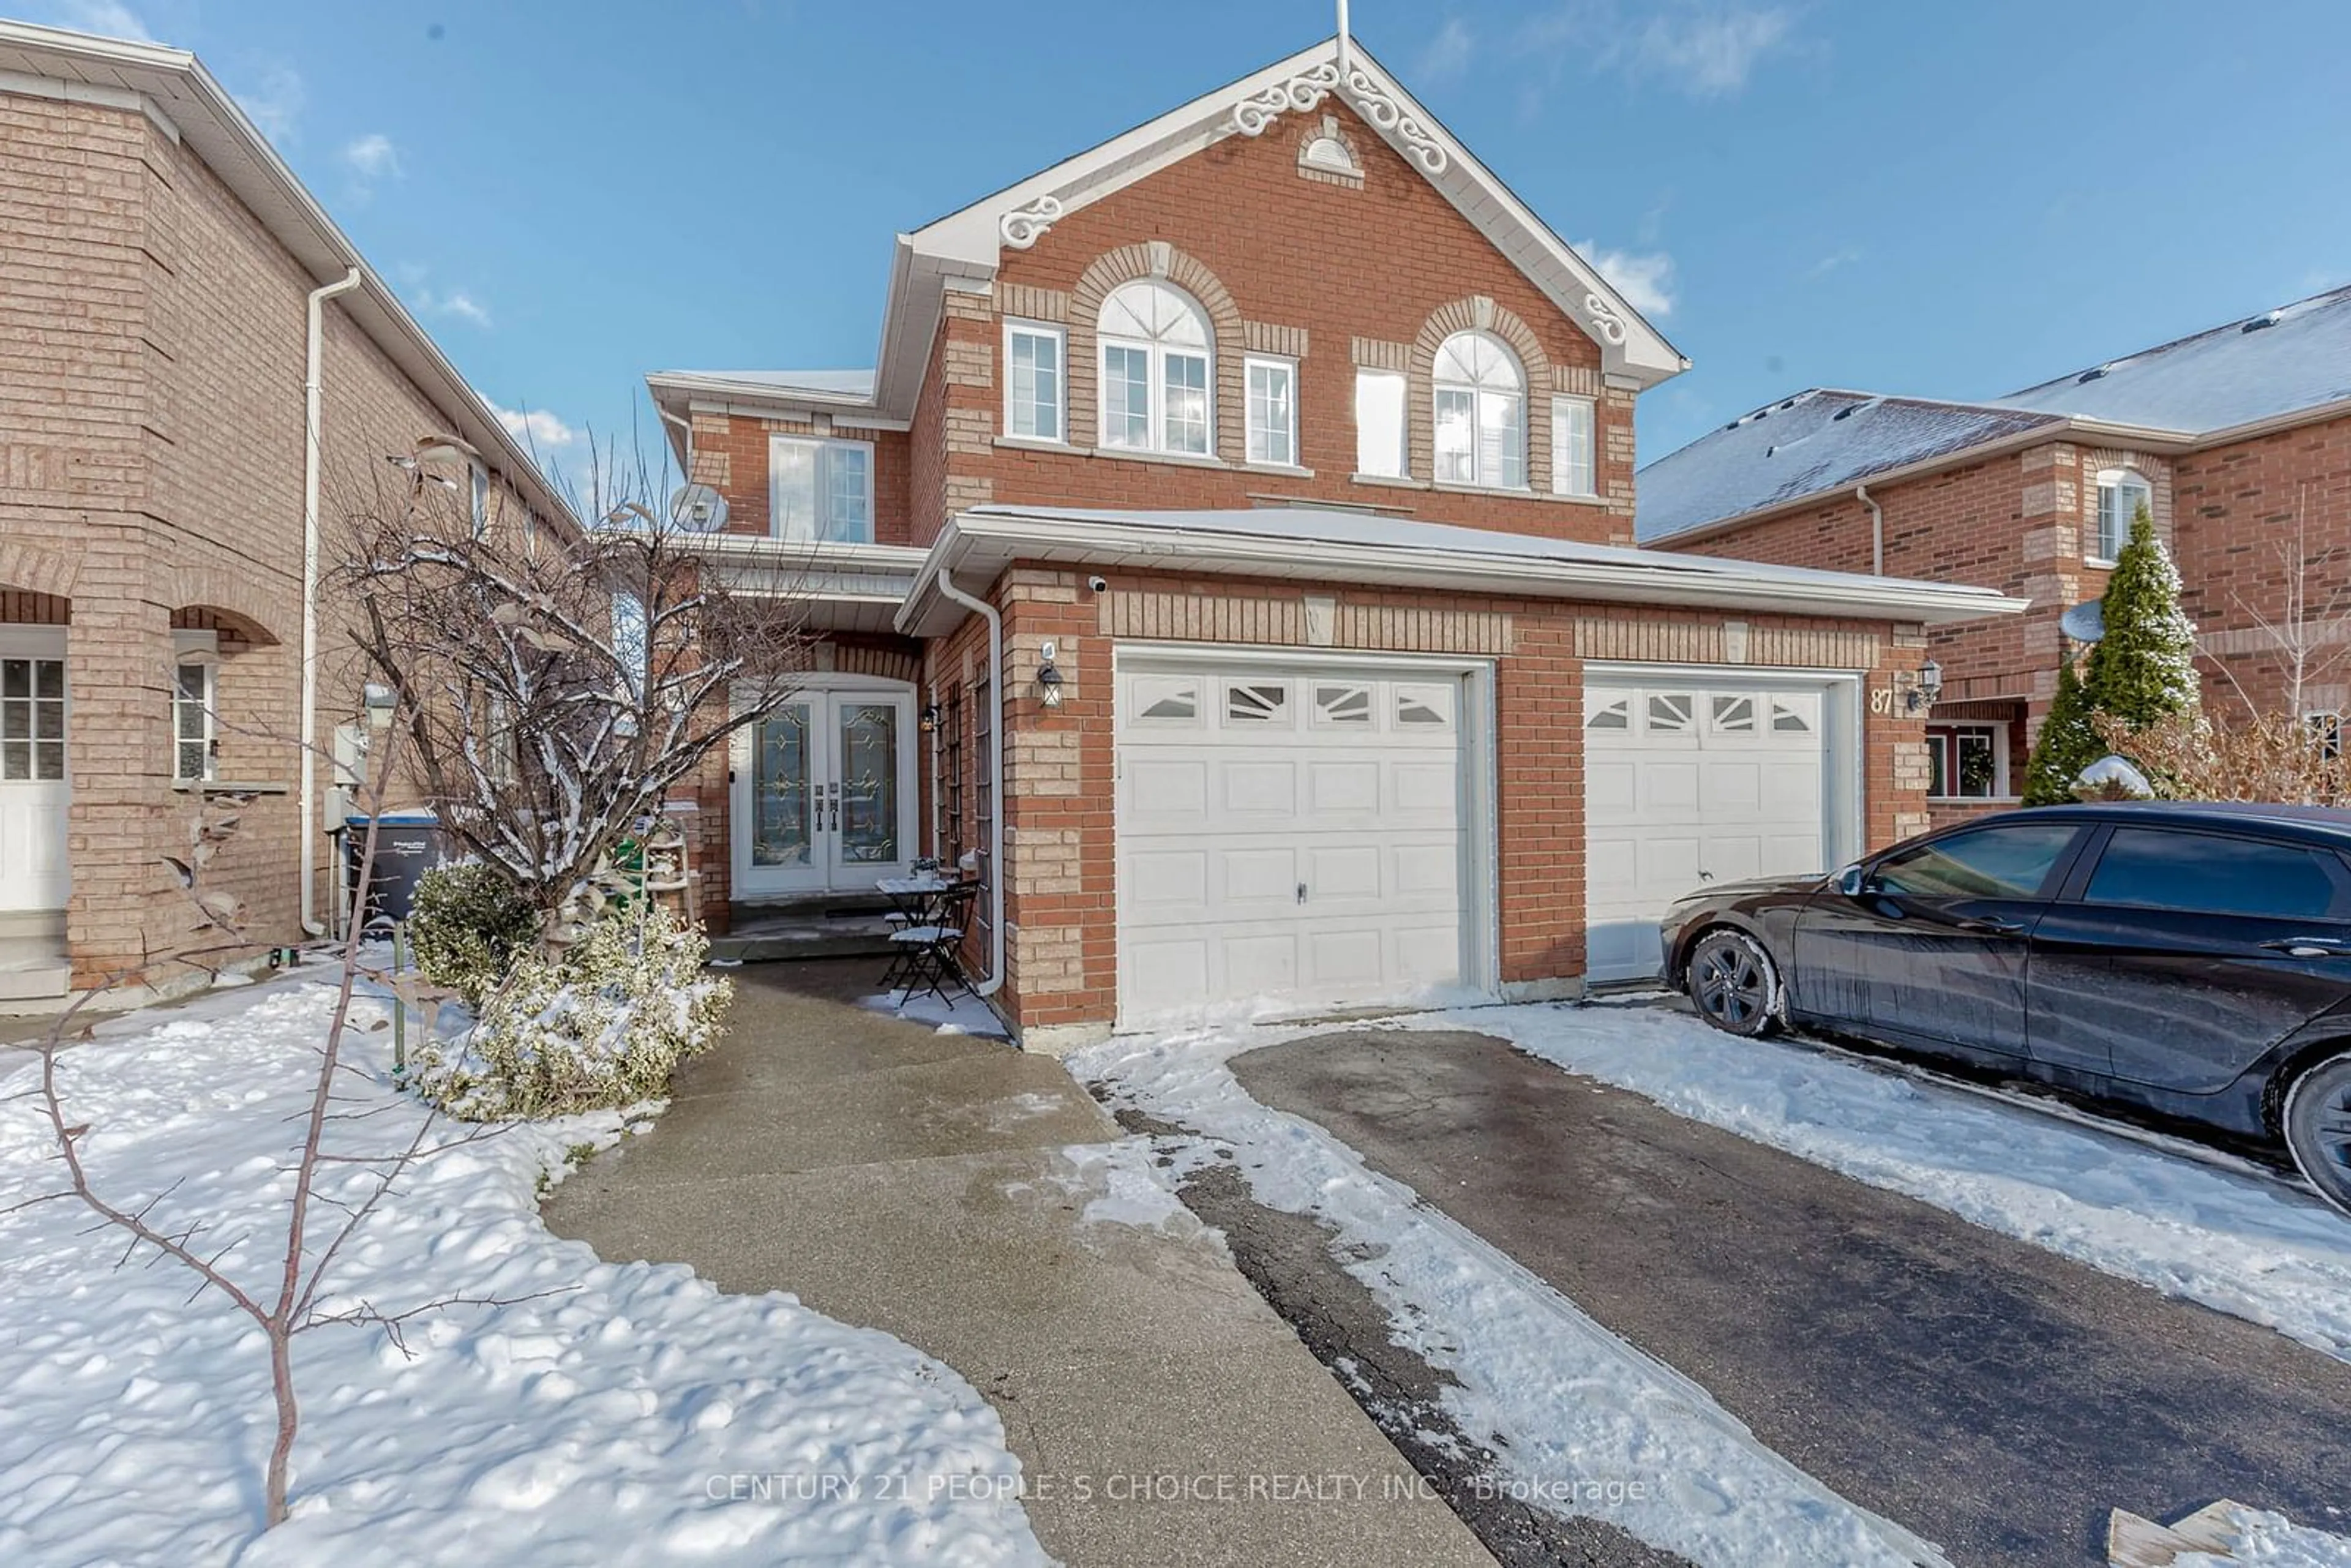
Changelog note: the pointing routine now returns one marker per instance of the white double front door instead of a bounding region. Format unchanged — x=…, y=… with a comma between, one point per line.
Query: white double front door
x=35, y=793
x=824, y=793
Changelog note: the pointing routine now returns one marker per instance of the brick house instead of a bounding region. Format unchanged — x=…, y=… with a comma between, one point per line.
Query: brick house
x=158, y=289
x=1228, y=554
x=2237, y=439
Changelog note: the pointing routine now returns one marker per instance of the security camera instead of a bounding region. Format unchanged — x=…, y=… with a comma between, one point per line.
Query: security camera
x=1099, y=584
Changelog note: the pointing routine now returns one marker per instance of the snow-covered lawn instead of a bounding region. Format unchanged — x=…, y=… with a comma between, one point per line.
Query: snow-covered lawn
x=2233, y=1241
x=632, y=1414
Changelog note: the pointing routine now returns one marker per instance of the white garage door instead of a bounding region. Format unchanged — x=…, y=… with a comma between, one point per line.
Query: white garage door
x=1690, y=784
x=1287, y=833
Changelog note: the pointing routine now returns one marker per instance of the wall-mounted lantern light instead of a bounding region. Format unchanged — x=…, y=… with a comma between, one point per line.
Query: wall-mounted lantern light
x=1926, y=687
x=930, y=717
x=1049, y=686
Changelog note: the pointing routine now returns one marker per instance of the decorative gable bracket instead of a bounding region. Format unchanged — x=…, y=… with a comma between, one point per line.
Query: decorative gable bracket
x=1309, y=87
x=1023, y=226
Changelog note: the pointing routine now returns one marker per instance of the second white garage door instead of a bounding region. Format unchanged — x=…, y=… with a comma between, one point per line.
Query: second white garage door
x=1691, y=784
x=1289, y=834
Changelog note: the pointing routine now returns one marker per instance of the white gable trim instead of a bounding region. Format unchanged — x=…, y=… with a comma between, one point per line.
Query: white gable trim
x=972, y=241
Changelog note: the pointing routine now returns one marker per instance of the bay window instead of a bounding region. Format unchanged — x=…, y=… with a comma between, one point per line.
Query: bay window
x=1967, y=761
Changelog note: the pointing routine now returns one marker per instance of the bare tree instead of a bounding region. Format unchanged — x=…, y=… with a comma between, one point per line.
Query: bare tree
x=2307, y=631
x=564, y=679
x=286, y=1302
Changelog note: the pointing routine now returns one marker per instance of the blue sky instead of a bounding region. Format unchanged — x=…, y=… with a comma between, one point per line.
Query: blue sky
x=1950, y=199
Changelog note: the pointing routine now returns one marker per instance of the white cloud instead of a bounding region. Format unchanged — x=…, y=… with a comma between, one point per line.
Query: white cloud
x=1707, y=49
x=1833, y=261
x=1646, y=279
x=536, y=428
x=109, y=18
x=274, y=101
x=456, y=305
x=372, y=157
x=1447, y=56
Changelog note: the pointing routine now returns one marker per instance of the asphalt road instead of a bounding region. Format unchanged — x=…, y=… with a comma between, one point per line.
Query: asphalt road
x=1991, y=1397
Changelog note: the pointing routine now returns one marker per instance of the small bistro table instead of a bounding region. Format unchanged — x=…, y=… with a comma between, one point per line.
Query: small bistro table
x=915, y=898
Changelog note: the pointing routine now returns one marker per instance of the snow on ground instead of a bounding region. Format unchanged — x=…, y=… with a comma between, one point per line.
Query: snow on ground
x=2238, y=1243
x=1592, y=1424
x=633, y=1411
x=966, y=1014
x=2272, y=1540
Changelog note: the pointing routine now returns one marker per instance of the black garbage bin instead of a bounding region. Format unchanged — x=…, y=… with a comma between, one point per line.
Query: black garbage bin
x=407, y=845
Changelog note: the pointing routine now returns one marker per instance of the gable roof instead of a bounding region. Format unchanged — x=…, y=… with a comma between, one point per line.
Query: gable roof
x=173, y=89
x=2225, y=384
x=962, y=250
x=1816, y=442
x=2295, y=356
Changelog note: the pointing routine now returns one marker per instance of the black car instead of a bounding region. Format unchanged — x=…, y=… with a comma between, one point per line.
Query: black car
x=2190, y=960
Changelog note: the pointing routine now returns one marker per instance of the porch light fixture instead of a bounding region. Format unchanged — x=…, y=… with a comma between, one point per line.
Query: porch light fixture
x=1049, y=686
x=380, y=700
x=930, y=719
x=1926, y=687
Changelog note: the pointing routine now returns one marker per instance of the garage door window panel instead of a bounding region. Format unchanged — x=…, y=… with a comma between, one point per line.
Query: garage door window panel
x=1343, y=706
x=1162, y=701
x=1256, y=703
x=1609, y=713
x=1424, y=707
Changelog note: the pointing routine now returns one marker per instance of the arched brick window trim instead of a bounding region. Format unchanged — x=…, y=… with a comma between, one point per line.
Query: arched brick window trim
x=1479, y=314
x=203, y=588
x=1156, y=258
x=29, y=569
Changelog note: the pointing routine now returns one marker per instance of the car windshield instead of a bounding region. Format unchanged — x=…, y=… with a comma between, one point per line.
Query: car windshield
x=2007, y=861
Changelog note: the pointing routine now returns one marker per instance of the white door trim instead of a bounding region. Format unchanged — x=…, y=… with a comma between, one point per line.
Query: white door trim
x=1481, y=927
x=38, y=891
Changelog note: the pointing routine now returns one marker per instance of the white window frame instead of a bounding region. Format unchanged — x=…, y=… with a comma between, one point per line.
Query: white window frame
x=2113, y=483
x=1059, y=337
x=1575, y=454
x=200, y=652
x=1155, y=408
x=1259, y=435
x=2325, y=725
x=823, y=527
x=1479, y=396
x=1385, y=445
x=478, y=494
x=1945, y=730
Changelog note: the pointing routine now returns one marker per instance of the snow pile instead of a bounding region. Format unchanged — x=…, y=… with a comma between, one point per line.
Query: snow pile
x=2271, y=1540
x=2238, y=1243
x=1589, y=1424
x=964, y=1014
x=624, y=1412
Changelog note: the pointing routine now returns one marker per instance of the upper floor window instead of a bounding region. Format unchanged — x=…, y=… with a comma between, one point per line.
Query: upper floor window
x=1379, y=425
x=1481, y=413
x=2121, y=493
x=1272, y=412
x=1573, y=471
x=1155, y=365
x=1032, y=382
x=195, y=743
x=821, y=490
x=481, y=500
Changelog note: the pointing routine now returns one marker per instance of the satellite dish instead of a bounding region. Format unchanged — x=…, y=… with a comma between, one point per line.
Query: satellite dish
x=2084, y=623
x=698, y=508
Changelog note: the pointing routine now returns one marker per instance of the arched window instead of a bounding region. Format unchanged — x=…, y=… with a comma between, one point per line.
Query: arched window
x=1156, y=369
x=1481, y=413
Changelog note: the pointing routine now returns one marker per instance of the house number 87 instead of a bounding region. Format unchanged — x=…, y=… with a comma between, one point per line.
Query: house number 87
x=1881, y=700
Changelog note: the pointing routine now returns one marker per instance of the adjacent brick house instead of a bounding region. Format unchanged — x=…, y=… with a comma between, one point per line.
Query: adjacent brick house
x=155, y=294
x=2237, y=439
x=1227, y=556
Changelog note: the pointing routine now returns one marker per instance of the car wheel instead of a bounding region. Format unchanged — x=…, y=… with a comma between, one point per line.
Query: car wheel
x=2317, y=1124
x=1734, y=983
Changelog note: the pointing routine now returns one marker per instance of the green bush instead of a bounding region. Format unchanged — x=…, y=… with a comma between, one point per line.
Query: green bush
x=602, y=1026
x=468, y=926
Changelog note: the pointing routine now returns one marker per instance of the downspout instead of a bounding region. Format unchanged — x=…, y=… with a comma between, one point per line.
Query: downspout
x=954, y=595
x=1876, y=531
x=306, y=817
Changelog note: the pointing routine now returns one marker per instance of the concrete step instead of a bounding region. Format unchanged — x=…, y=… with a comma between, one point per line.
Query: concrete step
x=35, y=979
x=833, y=927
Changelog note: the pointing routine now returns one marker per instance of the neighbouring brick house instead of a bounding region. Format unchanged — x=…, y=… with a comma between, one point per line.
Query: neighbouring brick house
x=2238, y=440
x=156, y=286
x=1227, y=554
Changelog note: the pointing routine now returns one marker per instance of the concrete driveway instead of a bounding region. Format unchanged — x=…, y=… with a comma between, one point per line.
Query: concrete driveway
x=1987, y=1394
x=976, y=1203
